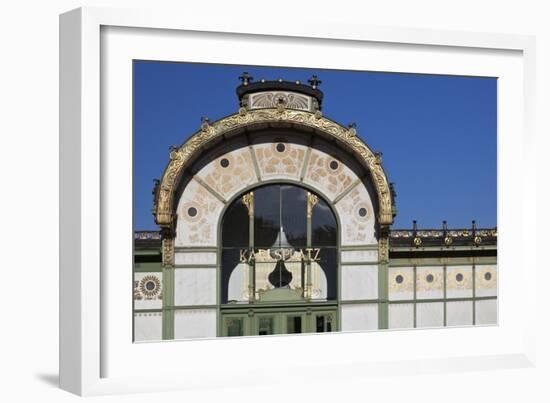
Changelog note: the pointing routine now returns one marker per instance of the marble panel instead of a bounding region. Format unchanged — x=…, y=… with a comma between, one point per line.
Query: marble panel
x=194, y=323
x=357, y=217
x=148, y=290
x=328, y=174
x=195, y=286
x=147, y=326
x=429, y=314
x=400, y=316
x=198, y=213
x=460, y=313
x=359, y=282
x=359, y=317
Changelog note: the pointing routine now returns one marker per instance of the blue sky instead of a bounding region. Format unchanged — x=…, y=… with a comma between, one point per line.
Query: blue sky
x=437, y=133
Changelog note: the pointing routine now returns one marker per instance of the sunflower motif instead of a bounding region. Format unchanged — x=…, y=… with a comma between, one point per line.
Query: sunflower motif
x=150, y=286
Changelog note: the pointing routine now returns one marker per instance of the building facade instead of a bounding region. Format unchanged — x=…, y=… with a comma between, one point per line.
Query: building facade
x=277, y=220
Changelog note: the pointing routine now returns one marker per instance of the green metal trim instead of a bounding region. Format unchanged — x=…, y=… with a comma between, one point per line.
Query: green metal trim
x=442, y=248
x=158, y=310
x=445, y=295
x=424, y=300
x=383, y=308
x=195, y=249
x=188, y=307
x=167, y=302
x=366, y=247
x=147, y=267
x=257, y=310
x=435, y=262
x=360, y=301
x=474, y=298
x=147, y=252
x=414, y=297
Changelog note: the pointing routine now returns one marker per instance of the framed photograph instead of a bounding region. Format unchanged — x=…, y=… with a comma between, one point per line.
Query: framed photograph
x=298, y=200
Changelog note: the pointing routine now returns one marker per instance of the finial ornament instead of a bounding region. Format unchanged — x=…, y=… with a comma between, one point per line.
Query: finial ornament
x=378, y=157
x=311, y=202
x=205, y=123
x=246, y=78
x=352, y=129
x=314, y=81
x=248, y=201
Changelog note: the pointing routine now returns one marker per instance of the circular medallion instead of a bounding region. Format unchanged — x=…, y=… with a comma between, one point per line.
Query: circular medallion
x=333, y=166
x=190, y=212
x=150, y=286
x=430, y=278
x=224, y=162
x=459, y=277
x=280, y=147
x=488, y=276
x=399, y=279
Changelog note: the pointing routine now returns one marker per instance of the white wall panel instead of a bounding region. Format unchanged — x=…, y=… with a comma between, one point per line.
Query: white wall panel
x=195, y=286
x=460, y=313
x=429, y=314
x=400, y=290
x=429, y=282
x=195, y=257
x=400, y=316
x=456, y=288
x=486, y=281
x=359, y=282
x=194, y=323
x=147, y=326
x=486, y=312
x=359, y=317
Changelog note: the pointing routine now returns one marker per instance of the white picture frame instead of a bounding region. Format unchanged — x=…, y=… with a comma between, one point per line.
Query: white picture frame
x=93, y=361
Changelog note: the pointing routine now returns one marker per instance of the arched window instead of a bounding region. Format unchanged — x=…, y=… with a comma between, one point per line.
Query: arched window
x=279, y=242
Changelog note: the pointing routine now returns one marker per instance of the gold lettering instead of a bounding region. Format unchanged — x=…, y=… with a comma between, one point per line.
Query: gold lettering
x=316, y=257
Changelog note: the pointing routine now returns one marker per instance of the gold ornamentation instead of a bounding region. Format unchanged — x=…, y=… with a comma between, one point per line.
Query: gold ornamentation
x=248, y=201
x=406, y=284
x=448, y=240
x=477, y=240
x=149, y=293
x=383, y=250
x=183, y=155
x=459, y=279
x=486, y=277
x=312, y=200
x=422, y=277
x=168, y=252
x=417, y=241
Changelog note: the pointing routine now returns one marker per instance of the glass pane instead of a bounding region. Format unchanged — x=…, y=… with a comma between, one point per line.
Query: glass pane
x=235, y=227
x=320, y=323
x=323, y=225
x=265, y=325
x=234, y=326
x=294, y=324
x=327, y=260
x=294, y=218
x=234, y=272
x=266, y=215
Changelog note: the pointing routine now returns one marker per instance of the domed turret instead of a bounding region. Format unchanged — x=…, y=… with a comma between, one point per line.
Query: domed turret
x=270, y=94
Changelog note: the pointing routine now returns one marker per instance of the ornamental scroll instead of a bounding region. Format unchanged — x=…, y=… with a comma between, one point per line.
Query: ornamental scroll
x=180, y=157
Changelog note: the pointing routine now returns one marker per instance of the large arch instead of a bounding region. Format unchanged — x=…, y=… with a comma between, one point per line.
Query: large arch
x=191, y=200
x=182, y=157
